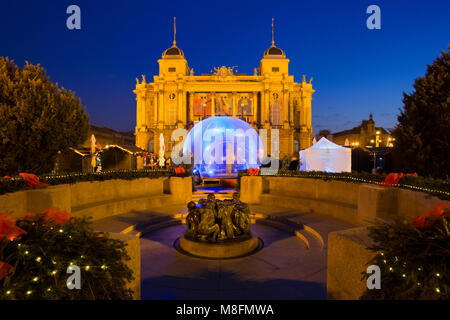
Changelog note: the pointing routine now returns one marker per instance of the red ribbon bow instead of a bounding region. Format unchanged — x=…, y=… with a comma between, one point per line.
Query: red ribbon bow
x=179, y=170
x=253, y=172
x=33, y=181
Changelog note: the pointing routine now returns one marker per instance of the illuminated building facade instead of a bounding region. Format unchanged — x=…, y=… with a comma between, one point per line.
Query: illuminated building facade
x=364, y=135
x=268, y=99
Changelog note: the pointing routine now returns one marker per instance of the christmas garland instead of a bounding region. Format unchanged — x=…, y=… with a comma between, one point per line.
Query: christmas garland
x=435, y=187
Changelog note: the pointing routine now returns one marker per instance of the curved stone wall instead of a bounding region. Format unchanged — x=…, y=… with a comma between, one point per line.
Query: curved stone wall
x=356, y=203
x=101, y=199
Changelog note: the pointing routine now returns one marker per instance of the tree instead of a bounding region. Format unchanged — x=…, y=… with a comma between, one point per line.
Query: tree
x=37, y=119
x=422, y=135
x=322, y=133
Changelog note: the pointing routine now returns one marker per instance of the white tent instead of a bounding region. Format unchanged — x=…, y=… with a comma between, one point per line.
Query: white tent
x=326, y=156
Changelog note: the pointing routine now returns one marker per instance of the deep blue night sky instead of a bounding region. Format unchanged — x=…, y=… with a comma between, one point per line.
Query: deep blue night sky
x=356, y=71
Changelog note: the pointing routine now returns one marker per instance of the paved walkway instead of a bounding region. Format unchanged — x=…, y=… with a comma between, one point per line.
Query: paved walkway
x=283, y=269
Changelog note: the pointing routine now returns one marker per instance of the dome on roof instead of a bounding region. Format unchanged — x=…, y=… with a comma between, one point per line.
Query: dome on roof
x=275, y=52
x=173, y=51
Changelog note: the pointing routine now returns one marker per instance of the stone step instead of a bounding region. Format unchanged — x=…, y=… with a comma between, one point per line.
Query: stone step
x=310, y=237
x=154, y=220
x=143, y=230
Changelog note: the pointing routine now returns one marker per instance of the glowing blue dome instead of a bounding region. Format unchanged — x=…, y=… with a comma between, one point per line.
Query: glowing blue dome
x=220, y=146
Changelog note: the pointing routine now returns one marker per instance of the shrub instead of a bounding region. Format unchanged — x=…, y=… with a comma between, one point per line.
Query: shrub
x=36, y=250
x=413, y=257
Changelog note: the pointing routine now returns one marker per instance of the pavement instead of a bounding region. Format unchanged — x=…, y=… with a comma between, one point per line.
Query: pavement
x=284, y=269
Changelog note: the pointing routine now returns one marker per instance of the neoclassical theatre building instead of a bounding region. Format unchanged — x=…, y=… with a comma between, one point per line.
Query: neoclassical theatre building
x=269, y=99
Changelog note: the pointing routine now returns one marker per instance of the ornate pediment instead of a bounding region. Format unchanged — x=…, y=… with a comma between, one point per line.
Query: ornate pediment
x=224, y=71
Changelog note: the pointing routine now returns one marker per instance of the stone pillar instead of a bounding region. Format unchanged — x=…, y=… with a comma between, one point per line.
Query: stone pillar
x=291, y=110
x=184, y=107
x=266, y=113
x=181, y=189
x=144, y=120
x=284, y=114
x=138, y=111
x=180, y=107
x=191, y=106
x=234, y=105
x=251, y=189
x=308, y=111
x=213, y=104
x=302, y=113
x=155, y=108
x=161, y=113
x=347, y=260
x=254, y=106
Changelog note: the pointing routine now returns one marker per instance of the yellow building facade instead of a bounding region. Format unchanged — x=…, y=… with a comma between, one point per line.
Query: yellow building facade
x=364, y=135
x=268, y=99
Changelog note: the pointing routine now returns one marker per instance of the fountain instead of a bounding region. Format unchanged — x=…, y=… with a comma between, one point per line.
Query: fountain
x=218, y=229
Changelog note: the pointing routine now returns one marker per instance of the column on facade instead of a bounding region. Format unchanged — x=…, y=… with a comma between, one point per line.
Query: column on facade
x=191, y=106
x=213, y=104
x=234, y=104
x=266, y=106
x=302, y=108
x=155, y=108
x=291, y=109
x=138, y=111
x=285, y=107
x=162, y=116
x=183, y=107
x=254, y=105
x=308, y=112
x=142, y=107
x=180, y=106
x=263, y=106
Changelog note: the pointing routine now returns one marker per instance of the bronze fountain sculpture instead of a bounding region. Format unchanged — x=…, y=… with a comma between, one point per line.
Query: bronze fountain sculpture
x=215, y=220
x=218, y=228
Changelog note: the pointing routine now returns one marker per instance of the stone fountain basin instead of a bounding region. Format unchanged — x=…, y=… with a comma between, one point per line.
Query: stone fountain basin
x=221, y=250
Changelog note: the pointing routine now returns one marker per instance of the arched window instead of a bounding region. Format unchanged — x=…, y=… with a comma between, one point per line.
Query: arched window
x=275, y=114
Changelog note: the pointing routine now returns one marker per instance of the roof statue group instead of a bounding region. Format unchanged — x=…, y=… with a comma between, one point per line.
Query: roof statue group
x=214, y=220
